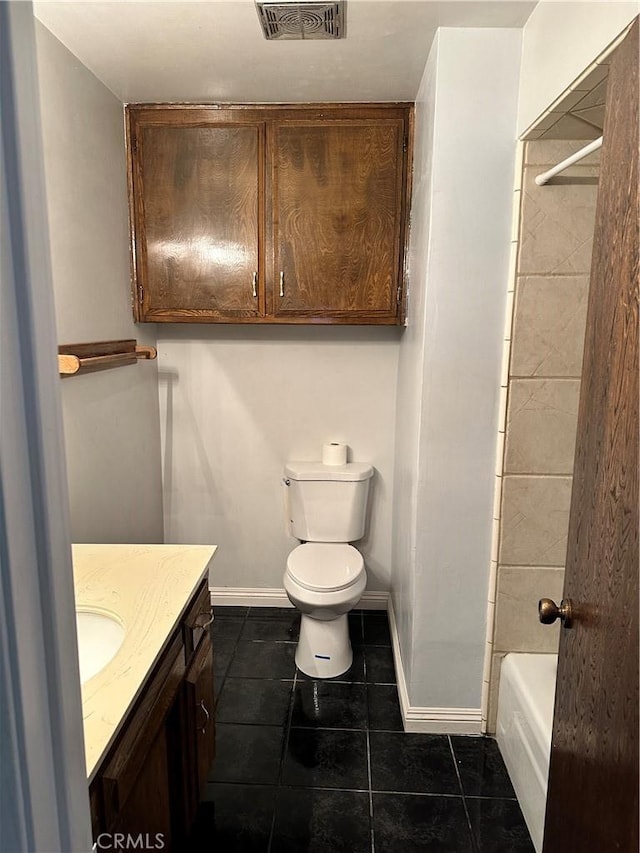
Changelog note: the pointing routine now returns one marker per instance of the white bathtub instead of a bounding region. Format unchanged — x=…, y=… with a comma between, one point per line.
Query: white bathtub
x=523, y=731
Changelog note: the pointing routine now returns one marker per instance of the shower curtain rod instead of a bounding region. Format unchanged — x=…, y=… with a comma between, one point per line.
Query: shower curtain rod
x=579, y=155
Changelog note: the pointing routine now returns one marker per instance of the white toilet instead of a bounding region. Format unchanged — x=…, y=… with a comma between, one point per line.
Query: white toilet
x=325, y=576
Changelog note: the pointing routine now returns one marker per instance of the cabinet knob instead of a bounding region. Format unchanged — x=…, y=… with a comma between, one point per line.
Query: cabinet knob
x=254, y=283
x=281, y=283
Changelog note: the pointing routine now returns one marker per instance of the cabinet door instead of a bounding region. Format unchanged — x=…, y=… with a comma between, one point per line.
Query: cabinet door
x=124, y=777
x=147, y=811
x=196, y=220
x=200, y=720
x=337, y=189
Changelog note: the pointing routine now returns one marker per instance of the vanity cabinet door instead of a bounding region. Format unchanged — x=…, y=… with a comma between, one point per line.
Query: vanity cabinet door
x=147, y=811
x=337, y=192
x=200, y=726
x=196, y=195
x=134, y=780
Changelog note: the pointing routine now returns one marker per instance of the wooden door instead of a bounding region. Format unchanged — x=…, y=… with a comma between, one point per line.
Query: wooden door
x=592, y=804
x=196, y=214
x=337, y=208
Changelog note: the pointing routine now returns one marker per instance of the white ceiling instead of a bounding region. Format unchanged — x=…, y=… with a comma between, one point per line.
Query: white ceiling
x=214, y=50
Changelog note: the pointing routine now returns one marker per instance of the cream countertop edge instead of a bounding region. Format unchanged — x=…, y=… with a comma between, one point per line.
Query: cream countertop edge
x=147, y=588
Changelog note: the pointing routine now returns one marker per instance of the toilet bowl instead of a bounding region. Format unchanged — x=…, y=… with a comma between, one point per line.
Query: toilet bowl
x=324, y=581
x=325, y=576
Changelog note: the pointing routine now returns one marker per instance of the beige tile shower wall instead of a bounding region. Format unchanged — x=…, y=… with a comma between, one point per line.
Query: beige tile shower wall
x=552, y=280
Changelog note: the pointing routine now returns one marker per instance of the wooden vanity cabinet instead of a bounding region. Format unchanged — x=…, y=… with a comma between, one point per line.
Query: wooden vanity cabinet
x=150, y=781
x=269, y=214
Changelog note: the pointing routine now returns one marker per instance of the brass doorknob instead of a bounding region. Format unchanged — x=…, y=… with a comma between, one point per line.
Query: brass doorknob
x=548, y=611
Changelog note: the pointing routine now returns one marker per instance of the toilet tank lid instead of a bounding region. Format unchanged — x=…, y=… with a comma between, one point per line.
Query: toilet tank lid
x=351, y=472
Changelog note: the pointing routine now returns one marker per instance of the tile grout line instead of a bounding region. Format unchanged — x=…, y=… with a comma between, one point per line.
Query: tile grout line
x=474, y=843
x=368, y=742
x=283, y=755
x=544, y=377
x=316, y=728
x=231, y=657
x=416, y=794
x=371, y=829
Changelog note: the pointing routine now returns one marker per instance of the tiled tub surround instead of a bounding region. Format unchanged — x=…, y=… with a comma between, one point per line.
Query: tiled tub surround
x=547, y=333
x=580, y=112
x=324, y=766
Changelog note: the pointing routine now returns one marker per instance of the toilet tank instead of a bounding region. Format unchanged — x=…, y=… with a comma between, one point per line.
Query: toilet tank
x=328, y=503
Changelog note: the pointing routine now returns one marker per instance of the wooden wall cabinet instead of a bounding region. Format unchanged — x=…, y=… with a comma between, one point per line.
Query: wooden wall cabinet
x=269, y=214
x=150, y=782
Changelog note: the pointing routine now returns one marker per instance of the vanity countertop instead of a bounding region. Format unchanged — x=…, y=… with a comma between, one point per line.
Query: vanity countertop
x=147, y=588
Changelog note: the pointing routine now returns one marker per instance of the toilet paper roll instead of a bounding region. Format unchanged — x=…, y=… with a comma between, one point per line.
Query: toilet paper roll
x=334, y=453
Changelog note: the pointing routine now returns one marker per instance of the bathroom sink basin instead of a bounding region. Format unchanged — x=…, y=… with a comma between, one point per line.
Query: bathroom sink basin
x=100, y=635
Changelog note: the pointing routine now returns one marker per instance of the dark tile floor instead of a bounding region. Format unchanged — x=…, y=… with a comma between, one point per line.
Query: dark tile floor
x=306, y=766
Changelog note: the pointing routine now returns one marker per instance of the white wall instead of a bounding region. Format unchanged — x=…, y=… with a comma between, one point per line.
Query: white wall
x=111, y=418
x=237, y=402
x=560, y=40
x=411, y=369
x=449, y=362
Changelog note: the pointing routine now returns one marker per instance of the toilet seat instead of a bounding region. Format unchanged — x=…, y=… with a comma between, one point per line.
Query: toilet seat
x=325, y=566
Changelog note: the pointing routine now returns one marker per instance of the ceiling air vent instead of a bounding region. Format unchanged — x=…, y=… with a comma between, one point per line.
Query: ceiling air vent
x=301, y=20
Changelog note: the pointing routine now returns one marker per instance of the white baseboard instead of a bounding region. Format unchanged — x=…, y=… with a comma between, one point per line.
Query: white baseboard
x=450, y=721
x=261, y=597
x=248, y=597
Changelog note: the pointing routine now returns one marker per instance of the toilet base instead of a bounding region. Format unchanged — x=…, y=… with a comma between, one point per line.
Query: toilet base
x=324, y=649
